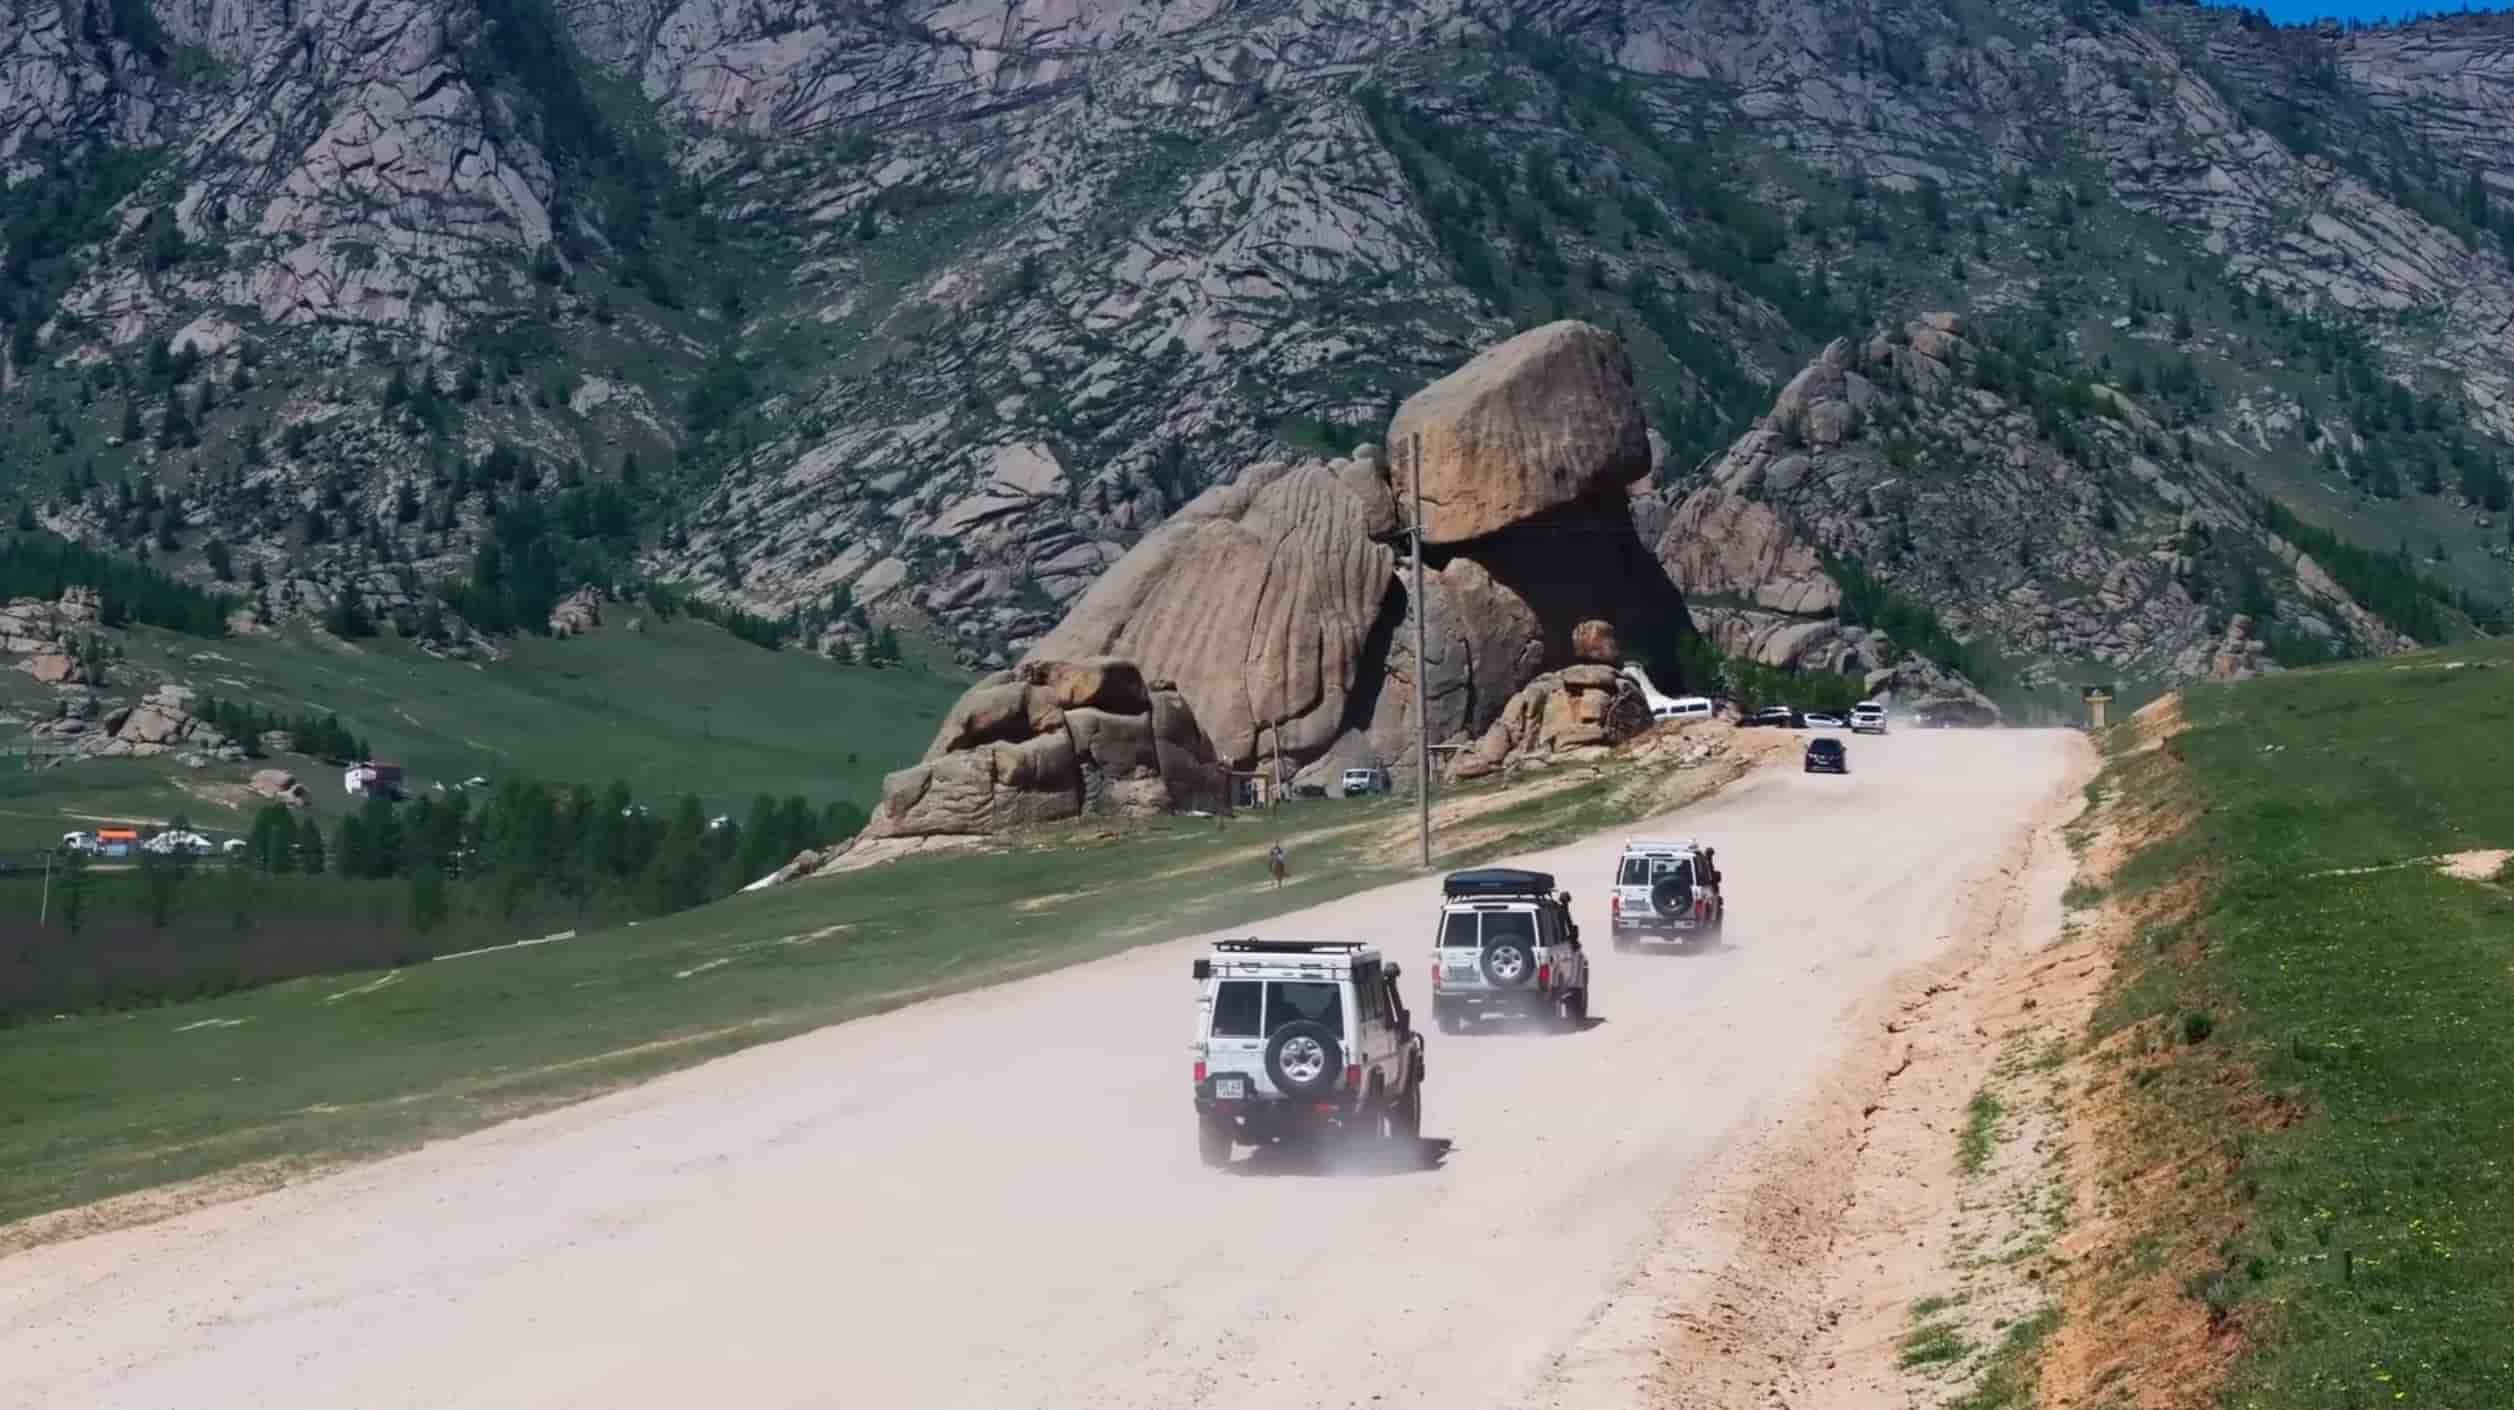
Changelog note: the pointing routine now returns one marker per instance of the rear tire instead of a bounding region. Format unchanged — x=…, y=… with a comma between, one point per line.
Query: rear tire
x=1405, y=1123
x=1213, y=1143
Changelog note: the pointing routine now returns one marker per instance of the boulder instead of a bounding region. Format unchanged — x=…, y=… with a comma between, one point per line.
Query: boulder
x=280, y=786
x=1547, y=419
x=1594, y=643
x=55, y=668
x=1049, y=740
x=578, y=612
x=1579, y=707
x=1257, y=600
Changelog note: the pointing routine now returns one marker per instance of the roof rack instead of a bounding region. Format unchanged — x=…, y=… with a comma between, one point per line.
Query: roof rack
x=1289, y=947
x=1497, y=881
x=1660, y=844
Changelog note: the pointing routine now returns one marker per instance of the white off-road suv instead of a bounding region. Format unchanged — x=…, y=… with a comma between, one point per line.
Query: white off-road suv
x=1507, y=946
x=1666, y=891
x=1298, y=1038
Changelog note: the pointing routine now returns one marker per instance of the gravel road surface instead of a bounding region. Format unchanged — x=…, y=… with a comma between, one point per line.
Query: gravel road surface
x=993, y=1200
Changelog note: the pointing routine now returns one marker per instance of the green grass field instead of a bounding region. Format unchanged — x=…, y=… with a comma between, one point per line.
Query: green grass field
x=678, y=707
x=2376, y=1260
x=314, y=1071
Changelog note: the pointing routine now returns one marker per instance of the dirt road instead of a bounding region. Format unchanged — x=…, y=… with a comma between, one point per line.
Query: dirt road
x=994, y=1200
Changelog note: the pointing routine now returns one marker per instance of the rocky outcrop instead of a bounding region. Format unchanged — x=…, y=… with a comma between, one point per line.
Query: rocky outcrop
x=1584, y=707
x=1887, y=465
x=1544, y=421
x=161, y=722
x=1053, y=740
x=280, y=786
x=1280, y=607
x=1258, y=600
x=577, y=613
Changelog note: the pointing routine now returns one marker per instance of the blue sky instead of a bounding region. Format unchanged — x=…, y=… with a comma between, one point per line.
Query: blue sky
x=2302, y=11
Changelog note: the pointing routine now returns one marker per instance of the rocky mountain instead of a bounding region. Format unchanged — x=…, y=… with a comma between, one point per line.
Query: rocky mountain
x=922, y=313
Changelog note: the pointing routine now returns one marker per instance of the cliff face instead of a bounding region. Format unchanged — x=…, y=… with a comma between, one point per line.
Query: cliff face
x=945, y=306
x=1889, y=489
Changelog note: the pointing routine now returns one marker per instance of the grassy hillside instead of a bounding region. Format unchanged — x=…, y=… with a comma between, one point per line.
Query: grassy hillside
x=2321, y=1027
x=676, y=707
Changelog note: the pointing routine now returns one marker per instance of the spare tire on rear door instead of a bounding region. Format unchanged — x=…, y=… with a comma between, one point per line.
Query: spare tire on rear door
x=1509, y=963
x=1304, y=1059
x=1672, y=895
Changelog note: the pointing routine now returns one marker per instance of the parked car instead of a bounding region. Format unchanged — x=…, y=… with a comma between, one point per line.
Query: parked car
x=1777, y=717
x=174, y=843
x=1299, y=1039
x=1868, y=717
x=1665, y=891
x=1827, y=756
x=1507, y=947
x=83, y=843
x=1689, y=707
x=1358, y=782
x=1821, y=721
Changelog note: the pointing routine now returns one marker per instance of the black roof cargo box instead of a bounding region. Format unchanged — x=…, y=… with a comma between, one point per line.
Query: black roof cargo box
x=1497, y=881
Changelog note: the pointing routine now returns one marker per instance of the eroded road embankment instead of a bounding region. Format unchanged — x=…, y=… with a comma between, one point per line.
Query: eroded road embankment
x=993, y=1200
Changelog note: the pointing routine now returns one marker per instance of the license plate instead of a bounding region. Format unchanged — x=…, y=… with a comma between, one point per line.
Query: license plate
x=1230, y=1089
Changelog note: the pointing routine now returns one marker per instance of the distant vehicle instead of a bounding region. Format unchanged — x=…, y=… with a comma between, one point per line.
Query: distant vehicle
x=1777, y=717
x=373, y=779
x=1691, y=707
x=722, y=822
x=173, y=843
x=116, y=841
x=1827, y=756
x=1297, y=1039
x=1665, y=890
x=1824, y=722
x=233, y=847
x=1868, y=717
x=1507, y=946
x=83, y=843
x=1357, y=782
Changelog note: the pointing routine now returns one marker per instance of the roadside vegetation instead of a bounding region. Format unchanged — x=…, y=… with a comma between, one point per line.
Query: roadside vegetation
x=2313, y=1036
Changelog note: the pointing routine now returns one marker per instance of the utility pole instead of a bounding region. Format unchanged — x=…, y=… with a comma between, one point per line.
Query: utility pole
x=1422, y=666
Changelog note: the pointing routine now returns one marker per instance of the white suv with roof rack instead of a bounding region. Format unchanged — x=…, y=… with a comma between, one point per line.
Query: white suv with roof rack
x=1666, y=891
x=1868, y=717
x=1507, y=946
x=1299, y=1039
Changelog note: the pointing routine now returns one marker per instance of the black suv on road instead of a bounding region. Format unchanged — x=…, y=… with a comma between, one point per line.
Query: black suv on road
x=1827, y=756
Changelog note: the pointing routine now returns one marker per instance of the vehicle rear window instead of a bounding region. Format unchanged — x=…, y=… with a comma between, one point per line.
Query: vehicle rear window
x=1235, y=1008
x=1636, y=872
x=1509, y=925
x=1457, y=930
x=1292, y=1000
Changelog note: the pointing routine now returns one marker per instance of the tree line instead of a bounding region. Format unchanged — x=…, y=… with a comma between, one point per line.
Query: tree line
x=44, y=566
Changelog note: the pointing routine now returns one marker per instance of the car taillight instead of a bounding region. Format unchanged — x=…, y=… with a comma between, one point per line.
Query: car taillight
x=1544, y=975
x=1200, y=1072
x=1353, y=1075
x=1615, y=905
x=1435, y=971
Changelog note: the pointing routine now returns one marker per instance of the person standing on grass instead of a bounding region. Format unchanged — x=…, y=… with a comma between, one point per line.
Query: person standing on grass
x=1276, y=866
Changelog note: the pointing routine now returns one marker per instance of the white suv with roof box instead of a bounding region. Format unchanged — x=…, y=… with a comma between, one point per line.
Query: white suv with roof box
x=1299, y=1039
x=1868, y=717
x=1666, y=891
x=1507, y=946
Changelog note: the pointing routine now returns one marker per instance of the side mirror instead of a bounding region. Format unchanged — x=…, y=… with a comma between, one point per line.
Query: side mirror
x=1204, y=969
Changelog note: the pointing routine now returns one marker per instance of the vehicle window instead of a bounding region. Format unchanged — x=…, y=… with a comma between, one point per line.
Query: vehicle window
x=1235, y=1004
x=1457, y=930
x=1679, y=867
x=1636, y=872
x=1509, y=925
x=1292, y=1000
